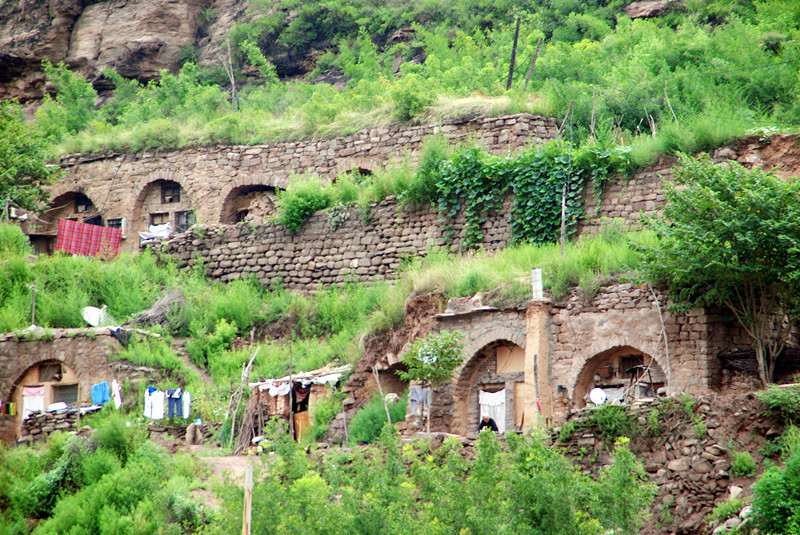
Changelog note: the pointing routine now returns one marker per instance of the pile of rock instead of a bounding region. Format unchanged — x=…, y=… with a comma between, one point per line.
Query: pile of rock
x=40, y=424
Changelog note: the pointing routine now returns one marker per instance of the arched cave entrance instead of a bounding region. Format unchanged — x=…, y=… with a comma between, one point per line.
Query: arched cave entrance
x=248, y=203
x=45, y=383
x=624, y=373
x=74, y=205
x=498, y=370
x=163, y=202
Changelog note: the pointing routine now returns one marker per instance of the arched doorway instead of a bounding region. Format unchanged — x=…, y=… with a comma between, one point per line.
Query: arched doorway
x=45, y=383
x=624, y=373
x=74, y=205
x=248, y=203
x=492, y=383
x=160, y=203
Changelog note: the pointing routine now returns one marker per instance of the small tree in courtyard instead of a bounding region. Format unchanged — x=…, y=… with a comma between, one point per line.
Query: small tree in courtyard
x=432, y=360
x=730, y=237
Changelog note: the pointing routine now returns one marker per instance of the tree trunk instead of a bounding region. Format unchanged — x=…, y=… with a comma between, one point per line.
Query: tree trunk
x=763, y=360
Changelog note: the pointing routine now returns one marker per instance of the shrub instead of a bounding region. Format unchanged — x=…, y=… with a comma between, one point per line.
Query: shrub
x=743, y=463
x=13, y=241
x=115, y=436
x=300, y=200
x=776, y=494
x=411, y=94
x=366, y=425
x=613, y=422
x=783, y=403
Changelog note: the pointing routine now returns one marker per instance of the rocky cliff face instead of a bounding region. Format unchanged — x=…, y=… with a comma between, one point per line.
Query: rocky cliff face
x=137, y=38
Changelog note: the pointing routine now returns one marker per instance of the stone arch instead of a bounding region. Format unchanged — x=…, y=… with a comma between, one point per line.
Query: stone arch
x=248, y=202
x=618, y=367
x=480, y=371
x=72, y=204
x=22, y=367
x=57, y=380
x=162, y=201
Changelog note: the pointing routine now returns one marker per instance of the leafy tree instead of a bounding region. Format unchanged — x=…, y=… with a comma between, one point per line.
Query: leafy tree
x=432, y=360
x=23, y=170
x=73, y=93
x=729, y=238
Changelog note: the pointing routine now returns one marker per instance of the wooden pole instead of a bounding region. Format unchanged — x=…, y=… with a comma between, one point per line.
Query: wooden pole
x=513, y=57
x=430, y=402
x=383, y=398
x=563, y=217
x=33, y=304
x=291, y=389
x=566, y=116
x=248, y=500
x=533, y=64
x=670, y=105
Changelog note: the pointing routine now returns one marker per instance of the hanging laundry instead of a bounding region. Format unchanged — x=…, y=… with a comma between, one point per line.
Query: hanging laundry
x=32, y=400
x=116, y=394
x=187, y=404
x=87, y=240
x=419, y=398
x=100, y=393
x=158, y=399
x=493, y=405
x=148, y=401
x=174, y=402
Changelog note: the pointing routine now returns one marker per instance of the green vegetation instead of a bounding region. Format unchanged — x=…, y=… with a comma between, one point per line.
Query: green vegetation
x=23, y=171
x=389, y=488
x=783, y=403
x=776, y=494
x=432, y=360
x=742, y=463
x=366, y=425
x=112, y=482
x=703, y=74
x=727, y=239
x=610, y=422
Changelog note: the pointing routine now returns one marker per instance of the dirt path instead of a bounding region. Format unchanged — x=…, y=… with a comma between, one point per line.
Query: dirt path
x=179, y=346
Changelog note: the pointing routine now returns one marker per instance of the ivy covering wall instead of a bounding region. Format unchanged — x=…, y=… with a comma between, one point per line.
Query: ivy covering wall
x=477, y=183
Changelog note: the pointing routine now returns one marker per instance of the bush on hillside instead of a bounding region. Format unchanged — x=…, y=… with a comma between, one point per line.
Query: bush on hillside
x=366, y=425
x=300, y=200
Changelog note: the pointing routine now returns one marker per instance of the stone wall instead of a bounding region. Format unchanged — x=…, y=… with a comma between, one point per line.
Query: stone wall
x=320, y=254
x=86, y=352
x=628, y=316
x=626, y=198
x=213, y=180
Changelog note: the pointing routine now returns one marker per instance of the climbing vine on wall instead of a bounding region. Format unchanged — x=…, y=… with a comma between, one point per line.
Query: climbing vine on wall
x=478, y=183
